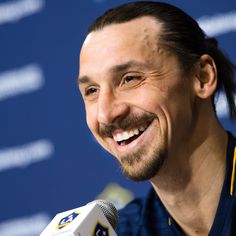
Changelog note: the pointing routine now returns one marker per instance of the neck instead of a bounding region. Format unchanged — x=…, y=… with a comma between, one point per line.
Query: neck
x=192, y=178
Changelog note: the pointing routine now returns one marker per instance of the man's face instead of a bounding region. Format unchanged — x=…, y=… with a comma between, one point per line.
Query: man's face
x=138, y=103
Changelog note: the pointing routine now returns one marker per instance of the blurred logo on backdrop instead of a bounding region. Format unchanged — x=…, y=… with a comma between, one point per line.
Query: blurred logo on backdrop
x=26, y=154
x=26, y=79
x=218, y=24
x=222, y=109
x=25, y=225
x=13, y=11
x=116, y=194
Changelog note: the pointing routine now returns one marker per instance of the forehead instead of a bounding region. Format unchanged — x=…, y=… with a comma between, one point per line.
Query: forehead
x=117, y=43
x=145, y=26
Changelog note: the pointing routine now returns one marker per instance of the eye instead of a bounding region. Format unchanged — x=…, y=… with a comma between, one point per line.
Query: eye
x=131, y=78
x=90, y=91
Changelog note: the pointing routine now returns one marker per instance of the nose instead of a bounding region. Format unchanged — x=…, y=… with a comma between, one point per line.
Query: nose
x=110, y=108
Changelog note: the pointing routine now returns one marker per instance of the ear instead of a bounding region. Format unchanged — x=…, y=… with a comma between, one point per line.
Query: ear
x=205, y=81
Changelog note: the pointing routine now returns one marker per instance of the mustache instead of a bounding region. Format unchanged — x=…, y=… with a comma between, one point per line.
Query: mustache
x=129, y=122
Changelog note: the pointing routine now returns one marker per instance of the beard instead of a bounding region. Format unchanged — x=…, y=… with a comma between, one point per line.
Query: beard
x=140, y=166
x=146, y=162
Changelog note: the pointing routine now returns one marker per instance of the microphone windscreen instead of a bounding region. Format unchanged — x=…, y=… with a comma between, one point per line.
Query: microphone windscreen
x=109, y=211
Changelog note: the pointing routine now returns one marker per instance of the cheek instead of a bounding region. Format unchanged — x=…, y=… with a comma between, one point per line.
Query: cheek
x=150, y=99
x=169, y=102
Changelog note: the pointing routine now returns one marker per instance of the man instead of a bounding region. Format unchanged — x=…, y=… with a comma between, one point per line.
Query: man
x=148, y=77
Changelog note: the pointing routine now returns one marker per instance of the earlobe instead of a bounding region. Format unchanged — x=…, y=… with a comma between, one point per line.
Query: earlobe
x=206, y=77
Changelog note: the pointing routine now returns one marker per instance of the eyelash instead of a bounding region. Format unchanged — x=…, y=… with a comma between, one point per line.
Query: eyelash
x=130, y=78
x=90, y=91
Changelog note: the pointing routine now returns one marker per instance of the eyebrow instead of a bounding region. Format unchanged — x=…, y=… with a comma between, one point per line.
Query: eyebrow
x=83, y=79
x=115, y=69
x=126, y=66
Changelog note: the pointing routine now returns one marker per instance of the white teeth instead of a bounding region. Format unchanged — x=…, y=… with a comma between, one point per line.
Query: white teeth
x=122, y=136
x=142, y=128
x=127, y=134
x=136, y=131
x=118, y=137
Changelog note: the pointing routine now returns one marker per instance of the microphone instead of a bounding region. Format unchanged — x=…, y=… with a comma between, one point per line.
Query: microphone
x=97, y=218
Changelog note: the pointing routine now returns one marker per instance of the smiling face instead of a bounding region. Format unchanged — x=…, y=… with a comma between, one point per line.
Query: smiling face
x=138, y=103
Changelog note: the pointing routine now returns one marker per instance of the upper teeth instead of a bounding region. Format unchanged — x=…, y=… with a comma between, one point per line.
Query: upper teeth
x=127, y=134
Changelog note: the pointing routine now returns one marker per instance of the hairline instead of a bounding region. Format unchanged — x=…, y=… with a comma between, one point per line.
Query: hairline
x=160, y=35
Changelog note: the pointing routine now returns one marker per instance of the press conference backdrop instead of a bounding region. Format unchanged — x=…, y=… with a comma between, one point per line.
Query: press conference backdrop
x=49, y=162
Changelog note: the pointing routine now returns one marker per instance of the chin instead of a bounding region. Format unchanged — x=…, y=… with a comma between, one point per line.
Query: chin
x=138, y=168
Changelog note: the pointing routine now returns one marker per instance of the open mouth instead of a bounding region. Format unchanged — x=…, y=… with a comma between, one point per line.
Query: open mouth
x=126, y=137
x=129, y=140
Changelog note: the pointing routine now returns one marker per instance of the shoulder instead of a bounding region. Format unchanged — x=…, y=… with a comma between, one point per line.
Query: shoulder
x=132, y=217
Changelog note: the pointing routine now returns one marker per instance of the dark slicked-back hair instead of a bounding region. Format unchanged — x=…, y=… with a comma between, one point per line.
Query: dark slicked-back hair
x=181, y=35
